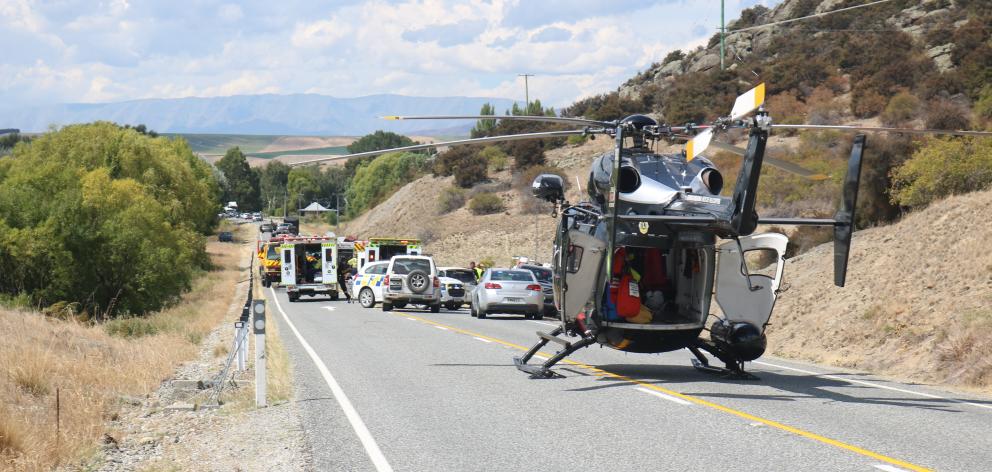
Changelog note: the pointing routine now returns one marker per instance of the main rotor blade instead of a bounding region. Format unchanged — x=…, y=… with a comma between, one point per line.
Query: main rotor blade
x=460, y=142
x=777, y=163
x=880, y=129
x=698, y=144
x=545, y=119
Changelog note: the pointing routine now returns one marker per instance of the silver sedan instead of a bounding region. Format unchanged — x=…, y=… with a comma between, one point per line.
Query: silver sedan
x=508, y=291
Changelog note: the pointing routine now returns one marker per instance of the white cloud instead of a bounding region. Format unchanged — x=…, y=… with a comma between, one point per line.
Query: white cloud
x=117, y=51
x=230, y=13
x=320, y=34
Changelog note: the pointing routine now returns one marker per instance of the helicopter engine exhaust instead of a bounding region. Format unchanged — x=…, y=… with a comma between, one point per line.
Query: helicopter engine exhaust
x=630, y=179
x=744, y=340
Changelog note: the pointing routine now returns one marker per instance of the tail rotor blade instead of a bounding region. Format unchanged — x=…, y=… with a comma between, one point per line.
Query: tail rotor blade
x=748, y=102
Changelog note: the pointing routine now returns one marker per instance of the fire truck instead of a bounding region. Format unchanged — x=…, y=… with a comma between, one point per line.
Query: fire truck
x=268, y=260
x=308, y=266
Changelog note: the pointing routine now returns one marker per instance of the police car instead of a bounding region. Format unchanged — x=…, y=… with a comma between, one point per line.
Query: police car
x=367, y=284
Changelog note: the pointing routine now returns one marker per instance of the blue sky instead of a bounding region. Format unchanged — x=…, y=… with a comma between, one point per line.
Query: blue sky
x=99, y=51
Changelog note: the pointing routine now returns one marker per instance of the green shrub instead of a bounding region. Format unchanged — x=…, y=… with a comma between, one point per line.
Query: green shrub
x=983, y=108
x=495, y=157
x=576, y=140
x=450, y=199
x=944, y=167
x=942, y=114
x=867, y=103
x=486, y=204
x=466, y=163
x=902, y=107
x=471, y=170
x=823, y=108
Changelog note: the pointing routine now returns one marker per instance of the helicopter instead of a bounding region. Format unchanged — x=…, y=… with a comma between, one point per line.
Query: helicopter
x=637, y=267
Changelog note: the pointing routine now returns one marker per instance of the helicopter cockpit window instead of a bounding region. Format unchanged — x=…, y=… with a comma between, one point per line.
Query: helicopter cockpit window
x=761, y=262
x=574, y=259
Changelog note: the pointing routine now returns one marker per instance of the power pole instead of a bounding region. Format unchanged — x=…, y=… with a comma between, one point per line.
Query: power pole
x=723, y=32
x=526, y=90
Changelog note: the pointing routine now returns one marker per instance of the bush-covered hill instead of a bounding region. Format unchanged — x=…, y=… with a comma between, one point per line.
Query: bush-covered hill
x=935, y=49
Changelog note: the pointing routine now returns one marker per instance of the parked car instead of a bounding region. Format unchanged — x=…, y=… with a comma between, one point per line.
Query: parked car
x=508, y=291
x=456, y=286
x=367, y=284
x=411, y=280
x=544, y=277
x=225, y=237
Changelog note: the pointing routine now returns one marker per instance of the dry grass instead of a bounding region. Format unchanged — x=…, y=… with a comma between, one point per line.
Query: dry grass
x=279, y=371
x=92, y=366
x=916, y=304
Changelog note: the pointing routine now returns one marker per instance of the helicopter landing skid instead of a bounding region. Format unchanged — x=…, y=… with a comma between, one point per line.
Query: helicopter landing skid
x=733, y=371
x=543, y=371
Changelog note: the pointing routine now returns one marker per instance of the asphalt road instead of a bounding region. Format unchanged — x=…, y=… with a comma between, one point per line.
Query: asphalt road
x=414, y=391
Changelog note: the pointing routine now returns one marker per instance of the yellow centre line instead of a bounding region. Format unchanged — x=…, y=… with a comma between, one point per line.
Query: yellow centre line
x=698, y=401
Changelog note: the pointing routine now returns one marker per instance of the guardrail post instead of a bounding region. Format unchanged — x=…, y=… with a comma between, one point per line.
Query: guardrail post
x=240, y=342
x=258, y=309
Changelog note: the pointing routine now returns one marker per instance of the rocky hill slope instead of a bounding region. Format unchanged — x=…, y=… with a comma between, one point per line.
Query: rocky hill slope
x=918, y=300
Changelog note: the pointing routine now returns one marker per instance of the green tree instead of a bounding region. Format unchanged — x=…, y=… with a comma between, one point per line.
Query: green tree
x=242, y=181
x=483, y=127
x=303, y=185
x=374, y=182
x=378, y=141
x=273, y=180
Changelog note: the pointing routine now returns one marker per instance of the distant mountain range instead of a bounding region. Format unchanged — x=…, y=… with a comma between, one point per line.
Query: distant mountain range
x=298, y=114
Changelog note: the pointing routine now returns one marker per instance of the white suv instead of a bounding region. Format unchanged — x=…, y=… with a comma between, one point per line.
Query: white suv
x=411, y=280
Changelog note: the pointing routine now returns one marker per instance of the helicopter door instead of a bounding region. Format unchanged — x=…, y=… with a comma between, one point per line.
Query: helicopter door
x=582, y=259
x=288, y=265
x=329, y=263
x=751, y=300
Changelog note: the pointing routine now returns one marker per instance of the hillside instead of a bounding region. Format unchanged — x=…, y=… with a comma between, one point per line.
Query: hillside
x=298, y=114
x=918, y=300
x=459, y=237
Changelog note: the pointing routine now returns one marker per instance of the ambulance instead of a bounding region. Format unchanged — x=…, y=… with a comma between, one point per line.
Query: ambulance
x=308, y=266
x=383, y=249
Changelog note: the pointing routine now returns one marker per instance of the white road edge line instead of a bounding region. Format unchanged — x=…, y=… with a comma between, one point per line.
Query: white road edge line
x=662, y=395
x=543, y=322
x=888, y=468
x=371, y=448
x=871, y=384
x=441, y=327
x=480, y=339
x=411, y=319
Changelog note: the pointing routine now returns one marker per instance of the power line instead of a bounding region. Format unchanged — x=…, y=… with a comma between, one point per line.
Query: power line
x=815, y=15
